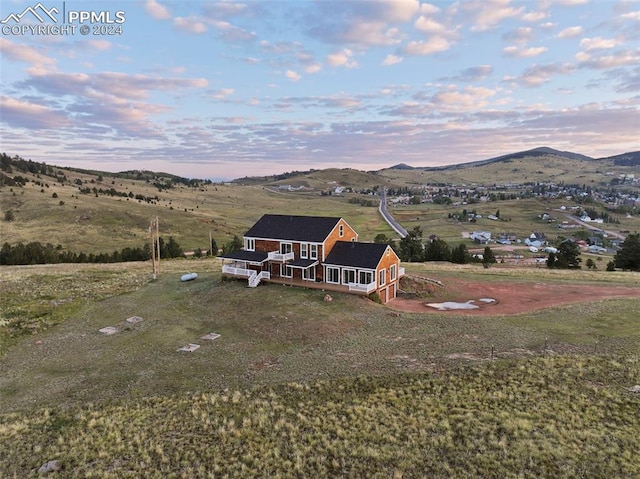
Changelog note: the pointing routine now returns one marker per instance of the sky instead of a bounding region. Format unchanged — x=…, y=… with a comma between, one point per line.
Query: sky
x=225, y=89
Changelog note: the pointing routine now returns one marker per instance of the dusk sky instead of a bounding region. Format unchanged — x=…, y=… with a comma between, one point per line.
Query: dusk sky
x=228, y=89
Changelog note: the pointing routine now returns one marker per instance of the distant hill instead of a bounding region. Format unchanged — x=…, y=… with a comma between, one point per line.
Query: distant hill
x=626, y=159
x=534, y=153
x=402, y=166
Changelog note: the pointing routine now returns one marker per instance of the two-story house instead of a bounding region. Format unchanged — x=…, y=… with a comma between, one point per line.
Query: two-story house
x=315, y=252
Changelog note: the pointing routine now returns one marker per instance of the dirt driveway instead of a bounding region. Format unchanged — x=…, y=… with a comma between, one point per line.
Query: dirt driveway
x=514, y=297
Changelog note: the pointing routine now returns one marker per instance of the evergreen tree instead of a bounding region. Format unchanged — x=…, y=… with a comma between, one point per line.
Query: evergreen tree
x=460, y=254
x=567, y=257
x=234, y=245
x=411, y=249
x=628, y=258
x=213, y=248
x=437, y=250
x=488, y=258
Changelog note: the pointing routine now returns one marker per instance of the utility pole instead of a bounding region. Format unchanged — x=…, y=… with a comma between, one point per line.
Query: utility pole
x=154, y=233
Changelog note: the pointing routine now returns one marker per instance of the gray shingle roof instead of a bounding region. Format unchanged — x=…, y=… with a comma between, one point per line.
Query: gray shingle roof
x=356, y=254
x=295, y=228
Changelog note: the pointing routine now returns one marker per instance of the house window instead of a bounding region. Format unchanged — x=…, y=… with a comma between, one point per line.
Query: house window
x=366, y=277
x=333, y=275
x=393, y=272
x=286, y=271
x=313, y=251
x=309, y=274
x=341, y=230
x=249, y=244
x=304, y=250
x=383, y=277
x=285, y=248
x=348, y=276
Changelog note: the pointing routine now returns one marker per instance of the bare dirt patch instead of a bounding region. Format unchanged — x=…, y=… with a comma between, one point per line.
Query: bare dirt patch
x=514, y=297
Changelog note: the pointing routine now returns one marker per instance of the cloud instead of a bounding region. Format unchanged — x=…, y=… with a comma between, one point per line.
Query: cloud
x=428, y=25
x=361, y=24
x=190, y=25
x=570, y=32
x=519, y=35
x=342, y=58
x=293, y=76
x=537, y=75
x=25, y=114
x=488, y=14
x=223, y=93
x=631, y=16
x=313, y=68
x=101, y=45
x=523, y=52
x=433, y=45
x=597, y=43
x=26, y=54
x=391, y=60
x=470, y=98
x=534, y=16
x=471, y=74
x=619, y=59
x=157, y=11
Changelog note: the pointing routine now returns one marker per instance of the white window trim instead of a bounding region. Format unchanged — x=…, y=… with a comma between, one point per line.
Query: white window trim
x=365, y=272
x=249, y=244
x=382, y=277
x=304, y=250
x=313, y=251
x=309, y=274
x=393, y=272
x=327, y=280
x=341, y=230
x=285, y=243
x=283, y=271
x=342, y=275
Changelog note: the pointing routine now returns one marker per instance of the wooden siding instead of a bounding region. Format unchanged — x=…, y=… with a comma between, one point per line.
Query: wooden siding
x=349, y=234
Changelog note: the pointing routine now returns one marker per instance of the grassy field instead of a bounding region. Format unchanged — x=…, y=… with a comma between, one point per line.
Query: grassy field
x=105, y=223
x=296, y=386
x=560, y=417
x=54, y=354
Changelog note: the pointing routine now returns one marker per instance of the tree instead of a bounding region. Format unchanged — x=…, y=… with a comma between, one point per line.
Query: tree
x=628, y=257
x=9, y=215
x=234, y=245
x=411, y=248
x=460, y=254
x=567, y=257
x=488, y=258
x=437, y=250
x=171, y=249
x=591, y=264
x=213, y=248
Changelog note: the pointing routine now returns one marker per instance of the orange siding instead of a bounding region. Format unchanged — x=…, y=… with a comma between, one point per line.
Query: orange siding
x=390, y=258
x=348, y=234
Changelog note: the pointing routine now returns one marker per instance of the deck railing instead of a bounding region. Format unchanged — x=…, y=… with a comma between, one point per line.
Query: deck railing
x=363, y=288
x=277, y=256
x=237, y=271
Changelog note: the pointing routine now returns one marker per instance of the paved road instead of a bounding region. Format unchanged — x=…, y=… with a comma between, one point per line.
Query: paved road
x=591, y=226
x=387, y=216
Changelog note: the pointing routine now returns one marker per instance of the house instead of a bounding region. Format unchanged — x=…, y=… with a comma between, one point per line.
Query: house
x=536, y=239
x=314, y=252
x=481, y=237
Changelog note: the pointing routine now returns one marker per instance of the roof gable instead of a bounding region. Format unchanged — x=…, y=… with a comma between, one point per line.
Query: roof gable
x=356, y=254
x=295, y=228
